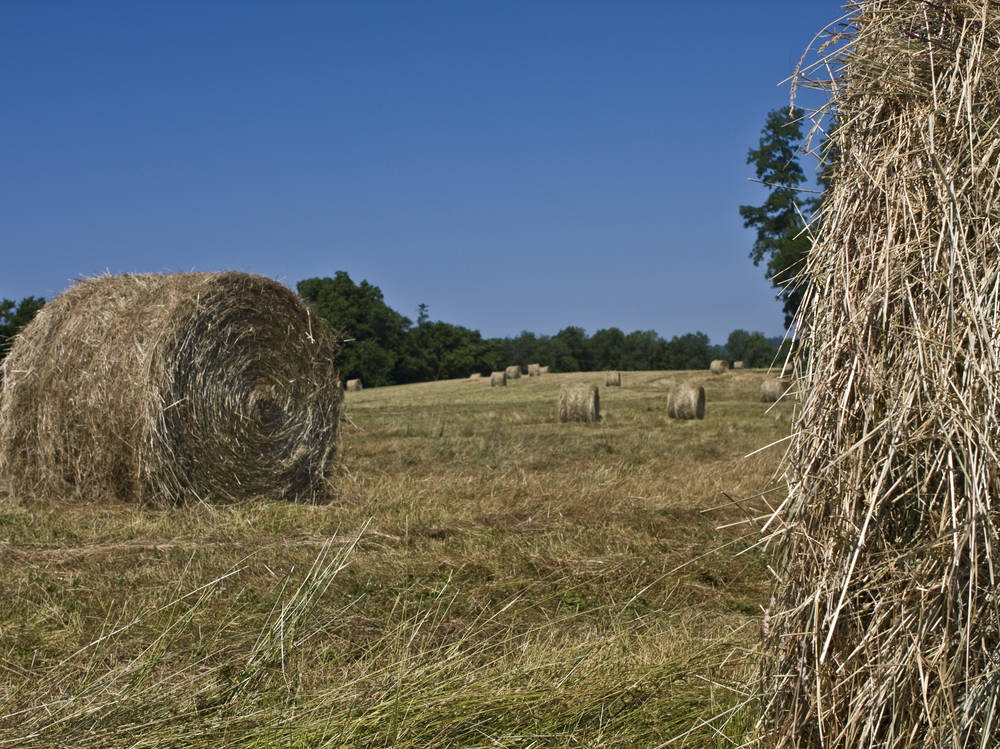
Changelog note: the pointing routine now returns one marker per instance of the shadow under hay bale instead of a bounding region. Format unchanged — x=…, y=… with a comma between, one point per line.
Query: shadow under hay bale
x=354, y=386
x=534, y=370
x=513, y=372
x=884, y=626
x=719, y=366
x=613, y=379
x=579, y=403
x=169, y=388
x=686, y=402
x=772, y=389
x=498, y=379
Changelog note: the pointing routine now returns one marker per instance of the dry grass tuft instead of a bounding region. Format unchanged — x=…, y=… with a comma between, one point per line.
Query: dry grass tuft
x=884, y=629
x=579, y=402
x=686, y=402
x=170, y=388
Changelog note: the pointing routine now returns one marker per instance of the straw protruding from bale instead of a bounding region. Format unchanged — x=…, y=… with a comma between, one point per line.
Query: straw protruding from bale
x=884, y=625
x=613, y=379
x=513, y=372
x=534, y=370
x=579, y=402
x=686, y=402
x=718, y=366
x=169, y=388
x=772, y=389
x=498, y=379
x=354, y=385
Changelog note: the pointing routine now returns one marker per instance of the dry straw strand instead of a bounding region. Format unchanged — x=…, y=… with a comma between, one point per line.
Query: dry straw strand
x=884, y=627
x=579, y=403
x=686, y=402
x=170, y=388
x=613, y=379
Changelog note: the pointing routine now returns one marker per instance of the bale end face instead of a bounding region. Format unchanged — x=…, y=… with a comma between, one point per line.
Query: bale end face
x=513, y=372
x=719, y=366
x=579, y=403
x=772, y=389
x=613, y=379
x=686, y=402
x=354, y=385
x=498, y=379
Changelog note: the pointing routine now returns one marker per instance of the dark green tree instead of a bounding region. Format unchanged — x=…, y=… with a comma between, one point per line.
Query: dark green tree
x=781, y=242
x=13, y=317
x=753, y=349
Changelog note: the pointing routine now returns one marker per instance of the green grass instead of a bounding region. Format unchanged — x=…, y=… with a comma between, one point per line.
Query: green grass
x=486, y=576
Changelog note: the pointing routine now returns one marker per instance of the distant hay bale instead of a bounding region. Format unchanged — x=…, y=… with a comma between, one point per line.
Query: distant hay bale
x=719, y=366
x=579, y=403
x=534, y=370
x=163, y=389
x=884, y=623
x=686, y=402
x=475, y=376
x=613, y=379
x=772, y=389
x=354, y=385
x=738, y=365
x=513, y=372
x=543, y=370
x=498, y=379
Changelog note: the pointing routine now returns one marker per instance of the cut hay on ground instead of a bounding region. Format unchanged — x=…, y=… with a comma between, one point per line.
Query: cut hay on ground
x=613, y=379
x=171, y=388
x=354, y=385
x=579, y=403
x=534, y=370
x=498, y=379
x=772, y=389
x=686, y=402
x=513, y=372
x=718, y=366
x=885, y=625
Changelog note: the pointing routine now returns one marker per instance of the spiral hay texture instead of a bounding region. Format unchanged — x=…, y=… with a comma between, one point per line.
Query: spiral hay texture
x=169, y=388
x=613, y=379
x=498, y=379
x=719, y=366
x=579, y=403
x=885, y=624
x=513, y=372
x=686, y=402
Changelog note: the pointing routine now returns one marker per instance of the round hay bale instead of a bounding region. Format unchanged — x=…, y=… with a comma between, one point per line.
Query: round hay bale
x=579, y=403
x=534, y=370
x=719, y=366
x=354, y=385
x=168, y=388
x=772, y=389
x=737, y=365
x=513, y=372
x=543, y=370
x=613, y=379
x=686, y=402
x=498, y=379
x=475, y=376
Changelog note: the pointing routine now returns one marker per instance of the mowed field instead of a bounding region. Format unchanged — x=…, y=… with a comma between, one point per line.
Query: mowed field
x=486, y=576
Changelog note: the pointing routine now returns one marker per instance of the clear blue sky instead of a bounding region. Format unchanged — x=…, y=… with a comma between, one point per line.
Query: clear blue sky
x=514, y=165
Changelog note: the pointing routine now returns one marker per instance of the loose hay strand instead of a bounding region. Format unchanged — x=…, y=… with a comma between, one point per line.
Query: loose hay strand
x=171, y=388
x=884, y=629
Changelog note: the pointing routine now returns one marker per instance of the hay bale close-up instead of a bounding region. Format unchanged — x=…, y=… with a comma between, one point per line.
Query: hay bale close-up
x=719, y=366
x=613, y=379
x=772, y=389
x=534, y=370
x=354, y=385
x=168, y=388
x=686, y=402
x=513, y=372
x=498, y=379
x=579, y=403
x=884, y=625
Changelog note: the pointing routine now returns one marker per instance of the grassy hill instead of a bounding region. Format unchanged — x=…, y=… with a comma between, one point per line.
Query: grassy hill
x=486, y=576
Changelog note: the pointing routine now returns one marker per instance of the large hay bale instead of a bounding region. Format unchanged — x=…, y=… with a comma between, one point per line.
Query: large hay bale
x=579, y=403
x=534, y=370
x=686, y=402
x=543, y=370
x=167, y=388
x=513, y=372
x=498, y=379
x=772, y=389
x=613, y=379
x=884, y=628
x=719, y=366
x=354, y=386
x=738, y=364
